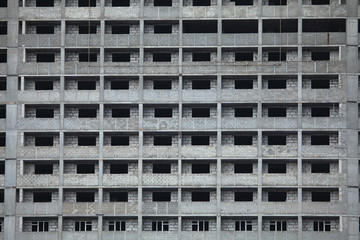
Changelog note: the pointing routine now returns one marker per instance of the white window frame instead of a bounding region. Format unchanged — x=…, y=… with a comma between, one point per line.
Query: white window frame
x=117, y=226
x=322, y=226
x=160, y=226
x=243, y=225
x=201, y=226
x=86, y=225
x=279, y=226
x=40, y=226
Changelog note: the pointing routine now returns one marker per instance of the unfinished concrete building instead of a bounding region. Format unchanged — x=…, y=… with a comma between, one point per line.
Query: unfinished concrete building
x=179, y=119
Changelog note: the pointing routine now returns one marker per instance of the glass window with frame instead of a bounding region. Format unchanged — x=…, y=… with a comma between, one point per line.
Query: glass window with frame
x=200, y=226
x=278, y=226
x=322, y=226
x=117, y=226
x=40, y=226
x=160, y=226
x=81, y=226
x=243, y=225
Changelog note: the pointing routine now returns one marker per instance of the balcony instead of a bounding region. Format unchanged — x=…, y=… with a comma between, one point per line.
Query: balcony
x=2, y=124
x=120, y=180
x=279, y=122
x=2, y=208
x=239, y=151
x=2, y=180
x=114, y=235
x=161, y=68
x=121, y=96
x=167, y=13
x=3, y=69
x=82, y=68
x=241, y=67
x=117, y=13
x=160, y=123
x=82, y=40
x=38, y=96
x=239, y=207
x=199, y=123
x=324, y=95
x=120, y=152
x=34, y=208
x=119, y=208
x=323, y=179
x=332, y=38
x=121, y=123
x=279, y=67
x=288, y=235
x=323, y=208
x=161, y=40
x=39, y=40
x=81, y=179
x=38, y=123
x=279, y=95
x=239, y=179
x=199, y=95
x=170, y=235
x=280, y=38
x=198, y=179
x=32, y=68
x=238, y=39
x=38, y=180
x=81, y=96
x=279, y=151
x=81, y=123
x=82, y=13
x=198, y=151
x=38, y=152
x=81, y=151
x=48, y=13
x=70, y=235
x=200, y=68
x=160, y=208
x=54, y=235
x=280, y=11
x=279, y=207
x=332, y=10
x=228, y=123
x=198, y=207
x=160, y=180
x=196, y=39
x=121, y=68
x=160, y=151
x=3, y=40
x=200, y=12
x=126, y=40
x=161, y=95
x=279, y=180
x=324, y=67
x=236, y=95
x=80, y=208
x=323, y=151
x=2, y=152
x=3, y=13
x=234, y=235
x=190, y=235
x=232, y=11
x=323, y=122
x=324, y=235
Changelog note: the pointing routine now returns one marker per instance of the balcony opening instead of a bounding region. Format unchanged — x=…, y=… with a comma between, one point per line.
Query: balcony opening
x=44, y=3
x=320, y=56
x=243, y=196
x=243, y=112
x=277, y=56
x=240, y=26
x=3, y=3
x=280, y=26
x=87, y=113
x=244, y=56
x=2, y=112
x=243, y=2
x=118, y=196
x=160, y=85
x=116, y=168
x=320, y=84
x=320, y=2
x=320, y=140
x=44, y=141
x=87, y=29
x=162, y=140
x=87, y=3
x=87, y=57
x=162, y=3
x=320, y=196
x=277, y=84
x=2, y=196
x=3, y=30
x=85, y=197
x=2, y=141
x=120, y=29
x=276, y=167
x=200, y=196
x=200, y=112
x=201, y=57
x=2, y=85
x=161, y=196
x=120, y=141
x=3, y=57
x=121, y=57
x=162, y=29
x=44, y=85
x=320, y=168
x=43, y=169
x=243, y=140
x=119, y=85
x=120, y=3
x=44, y=113
x=2, y=168
x=44, y=29
x=44, y=57
x=200, y=140
x=163, y=112
x=161, y=57
x=277, y=2
x=86, y=85
x=276, y=112
x=276, y=140
x=202, y=26
x=161, y=168
x=201, y=3
x=324, y=25
x=85, y=168
x=120, y=112
x=42, y=197
x=243, y=84
x=243, y=168
x=86, y=141
x=277, y=196
x=197, y=168
x=201, y=84
x=320, y=112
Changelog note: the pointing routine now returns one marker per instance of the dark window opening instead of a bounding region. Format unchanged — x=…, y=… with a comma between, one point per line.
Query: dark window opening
x=276, y=112
x=2, y=168
x=44, y=85
x=324, y=25
x=162, y=140
x=45, y=57
x=43, y=169
x=243, y=140
x=3, y=30
x=162, y=29
x=277, y=2
x=121, y=57
x=320, y=84
x=240, y=26
x=44, y=3
x=42, y=197
x=277, y=196
x=201, y=3
x=320, y=56
x=120, y=112
x=44, y=141
x=243, y=168
x=243, y=84
x=2, y=113
x=87, y=3
x=202, y=26
x=320, y=2
x=162, y=85
x=243, y=2
x=244, y=56
x=44, y=113
x=200, y=57
x=243, y=112
x=2, y=85
x=44, y=29
x=89, y=29
x=320, y=196
x=120, y=3
x=161, y=57
x=283, y=26
x=120, y=29
x=87, y=113
x=243, y=196
x=320, y=140
x=161, y=168
x=163, y=112
x=85, y=168
x=162, y=3
x=161, y=196
x=87, y=57
x=277, y=84
x=202, y=84
x=320, y=112
x=200, y=112
x=277, y=56
x=2, y=141
x=118, y=196
x=320, y=168
x=119, y=168
x=85, y=197
x=200, y=140
x=200, y=168
x=3, y=57
x=277, y=168
x=3, y=3
x=86, y=85
x=120, y=141
x=1, y=196
x=276, y=140
x=86, y=141
x=119, y=85
x=200, y=196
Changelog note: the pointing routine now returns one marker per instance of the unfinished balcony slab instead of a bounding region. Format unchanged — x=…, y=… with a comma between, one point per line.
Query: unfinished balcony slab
x=160, y=180
x=38, y=180
x=323, y=179
x=160, y=151
x=122, y=13
x=332, y=10
x=39, y=40
x=279, y=151
x=198, y=207
x=38, y=96
x=73, y=208
x=121, y=124
x=40, y=13
x=239, y=11
x=279, y=207
x=198, y=151
x=120, y=180
x=199, y=12
x=160, y=208
x=161, y=40
x=30, y=68
x=38, y=152
x=82, y=13
x=81, y=180
x=323, y=151
x=239, y=179
x=239, y=207
x=120, y=152
x=31, y=208
x=198, y=179
x=279, y=180
x=119, y=208
x=81, y=152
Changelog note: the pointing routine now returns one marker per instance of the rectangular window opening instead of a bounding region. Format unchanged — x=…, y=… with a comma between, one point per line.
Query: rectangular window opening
x=42, y=196
x=44, y=85
x=119, y=85
x=120, y=141
x=244, y=84
x=87, y=113
x=120, y=3
x=45, y=57
x=276, y=167
x=320, y=196
x=44, y=3
x=121, y=57
x=161, y=168
x=85, y=197
x=162, y=85
x=44, y=141
x=117, y=226
x=244, y=56
x=277, y=84
x=202, y=84
x=162, y=29
x=87, y=57
x=243, y=225
x=276, y=140
x=277, y=196
x=161, y=57
x=201, y=3
x=162, y=140
x=320, y=2
x=197, y=168
x=86, y=85
x=277, y=2
x=44, y=113
x=243, y=196
x=201, y=57
x=85, y=168
x=163, y=112
x=87, y=29
x=200, y=112
x=2, y=112
x=243, y=140
x=44, y=29
x=200, y=140
x=43, y=169
x=320, y=112
x=86, y=141
x=320, y=140
x=120, y=112
x=87, y=3
x=276, y=112
x=3, y=29
x=162, y=3
x=118, y=196
x=161, y=196
x=243, y=168
x=320, y=168
x=120, y=29
x=117, y=168
x=243, y=112
x=277, y=56
x=200, y=196
x=320, y=56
